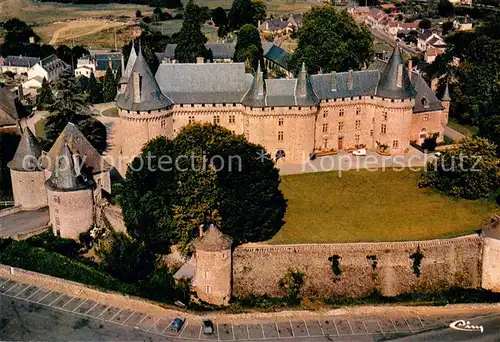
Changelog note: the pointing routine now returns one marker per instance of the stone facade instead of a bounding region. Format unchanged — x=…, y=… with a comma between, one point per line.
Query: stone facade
x=213, y=269
x=28, y=189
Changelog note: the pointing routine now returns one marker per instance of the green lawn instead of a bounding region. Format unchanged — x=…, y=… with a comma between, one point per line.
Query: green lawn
x=373, y=206
x=464, y=129
x=39, y=128
x=113, y=112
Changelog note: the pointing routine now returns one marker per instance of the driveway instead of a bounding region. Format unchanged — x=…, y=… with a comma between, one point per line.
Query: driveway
x=453, y=134
x=23, y=222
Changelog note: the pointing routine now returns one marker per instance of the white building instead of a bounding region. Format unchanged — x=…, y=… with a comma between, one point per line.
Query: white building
x=18, y=64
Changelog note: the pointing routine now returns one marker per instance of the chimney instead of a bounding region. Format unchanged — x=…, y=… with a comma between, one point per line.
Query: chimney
x=200, y=60
x=137, y=87
x=399, y=76
x=76, y=163
x=201, y=229
x=333, y=81
x=349, y=80
x=123, y=64
x=410, y=67
x=260, y=81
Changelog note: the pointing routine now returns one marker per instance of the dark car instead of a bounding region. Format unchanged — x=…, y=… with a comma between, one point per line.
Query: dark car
x=208, y=327
x=176, y=324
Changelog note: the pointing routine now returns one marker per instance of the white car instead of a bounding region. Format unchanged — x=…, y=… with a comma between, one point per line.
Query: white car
x=360, y=152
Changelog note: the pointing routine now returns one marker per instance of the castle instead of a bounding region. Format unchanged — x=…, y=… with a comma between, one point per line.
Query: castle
x=291, y=118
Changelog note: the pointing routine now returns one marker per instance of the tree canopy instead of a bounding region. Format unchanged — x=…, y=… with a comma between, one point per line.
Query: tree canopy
x=213, y=176
x=248, y=46
x=219, y=16
x=109, y=86
x=191, y=41
x=246, y=12
x=445, y=8
x=331, y=40
x=44, y=95
x=425, y=24
x=471, y=171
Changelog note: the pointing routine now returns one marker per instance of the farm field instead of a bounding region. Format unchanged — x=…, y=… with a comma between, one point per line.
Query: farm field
x=373, y=206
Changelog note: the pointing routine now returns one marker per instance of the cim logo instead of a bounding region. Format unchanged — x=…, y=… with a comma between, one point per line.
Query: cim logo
x=465, y=326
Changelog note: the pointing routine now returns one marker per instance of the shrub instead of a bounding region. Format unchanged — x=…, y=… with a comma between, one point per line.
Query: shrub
x=51, y=243
x=291, y=284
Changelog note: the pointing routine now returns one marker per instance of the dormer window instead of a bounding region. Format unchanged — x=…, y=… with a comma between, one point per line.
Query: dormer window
x=425, y=102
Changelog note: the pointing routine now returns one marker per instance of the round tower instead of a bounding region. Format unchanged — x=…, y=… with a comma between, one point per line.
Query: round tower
x=69, y=193
x=26, y=173
x=145, y=112
x=213, y=266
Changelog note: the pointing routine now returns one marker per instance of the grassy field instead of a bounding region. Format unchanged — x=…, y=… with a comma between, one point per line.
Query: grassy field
x=373, y=206
x=112, y=112
x=464, y=129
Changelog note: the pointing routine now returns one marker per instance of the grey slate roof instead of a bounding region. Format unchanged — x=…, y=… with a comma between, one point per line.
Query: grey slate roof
x=277, y=55
x=219, y=50
x=130, y=65
x=304, y=92
x=21, y=61
x=334, y=85
x=256, y=95
x=425, y=99
x=72, y=138
x=64, y=176
x=280, y=92
x=151, y=96
x=388, y=84
x=274, y=24
x=425, y=34
x=53, y=62
x=27, y=157
x=213, y=241
x=8, y=110
x=204, y=83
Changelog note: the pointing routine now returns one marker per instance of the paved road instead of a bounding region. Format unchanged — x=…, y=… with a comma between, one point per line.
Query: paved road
x=23, y=222
x=28, y=312
x=453, y=134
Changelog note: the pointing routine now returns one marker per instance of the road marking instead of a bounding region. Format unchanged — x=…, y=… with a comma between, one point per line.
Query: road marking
x=168, y=326
x=10, y=288
x=5, y=282
x=396, y=330
x=23, y=290
x=277, y=329
x=248, y=332
x=183, y=328
x=382, y=331
x=232, y=330
x=123, y=323
x=291, y=327
x=307, y=330
x=86, y=312
x=262, y=328
x=322, y=331
x=423, y=327
x=81, y=305
x=114, y=314
x=156, y=322
x=33, y=293
x=67, y=302
x=103, y=311
x=142, y=319
x=62, y=294
x=407, y=324
x=349, y=324
x=335, y=324
x=44, y=297
x=364, y=326
x=199, y=335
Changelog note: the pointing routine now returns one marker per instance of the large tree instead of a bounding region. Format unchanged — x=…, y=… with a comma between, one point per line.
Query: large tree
x=219, y=16
x=445, y=8
x=94, y=90
x=214, y=177
x=471, y=171
x=191, y=41
x=44, y=95
x=71, y=105
x=109, y=86
x=248, y=46
x=246, y=12
x=330, y=40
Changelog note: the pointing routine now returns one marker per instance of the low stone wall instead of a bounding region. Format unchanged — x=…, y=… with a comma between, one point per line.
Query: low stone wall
x=257, y=270
x=11, y=210
x=83, y=291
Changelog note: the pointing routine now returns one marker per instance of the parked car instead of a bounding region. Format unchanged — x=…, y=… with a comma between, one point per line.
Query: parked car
x=176, y=324
x=360, y=152
x=208, y=327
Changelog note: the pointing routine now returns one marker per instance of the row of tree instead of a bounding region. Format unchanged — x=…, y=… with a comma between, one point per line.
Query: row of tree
x=152, y=3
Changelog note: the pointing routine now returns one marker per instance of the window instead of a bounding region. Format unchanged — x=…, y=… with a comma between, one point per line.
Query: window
x=325, y=128
x=280, y=154
x=341, y=126
x=232, y=119
x=395, y=144
x=190, y=119
x=358, y=111
x=207, y=275
x=384, y=116
x=371, y=133
x=216, y=120
x=163, y=123
x=358, y=125
x=280, y=136
x=341, y=112
x=356, y=138
x=325, y=143
x=280, y=122
x=208, y=289
x=325, y=114
x=373, y=119
x=383, y=129
x=57, y=200
x=426, y=117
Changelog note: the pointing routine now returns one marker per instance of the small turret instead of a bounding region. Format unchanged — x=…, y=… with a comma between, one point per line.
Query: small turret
x=304, y=93
x=128, y=69
x=256, y=96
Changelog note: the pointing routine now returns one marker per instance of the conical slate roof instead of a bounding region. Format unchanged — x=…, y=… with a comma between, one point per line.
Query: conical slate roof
x=389, y=86
x=151, y=98
x=446, y=95
x=130, y=65
x=256, y=95
x=8, y=110
x=304, y=93
x=64, y=177
x=213, y=240
x=27, y=157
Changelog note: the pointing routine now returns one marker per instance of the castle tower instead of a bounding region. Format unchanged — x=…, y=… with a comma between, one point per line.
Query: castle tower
x=213, y=266
x=128, y=69
x=26, y=173
x=70, y=197
x=445, y=101
x=256, y=96
x=146, y=113
x=392, y=126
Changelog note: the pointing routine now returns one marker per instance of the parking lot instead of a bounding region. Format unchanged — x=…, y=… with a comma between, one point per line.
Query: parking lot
x=376, y=327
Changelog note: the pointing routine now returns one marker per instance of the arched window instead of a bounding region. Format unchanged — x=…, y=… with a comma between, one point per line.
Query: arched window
x=280, y=154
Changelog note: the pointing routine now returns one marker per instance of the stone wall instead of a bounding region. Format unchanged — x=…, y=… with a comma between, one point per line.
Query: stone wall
x=258, y=269
x=491, y=256
x=114, y=216
x=28, y=189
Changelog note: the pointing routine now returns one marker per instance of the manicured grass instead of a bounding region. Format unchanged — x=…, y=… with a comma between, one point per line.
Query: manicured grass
x=464, y=129
x=373, y=206
x=113, y=112
x=39, y=128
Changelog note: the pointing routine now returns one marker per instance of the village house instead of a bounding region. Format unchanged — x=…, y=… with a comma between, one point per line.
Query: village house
x=97, y=62
x=462, y=23
x=18, y=64
x=49, y=68
x=427, y=38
